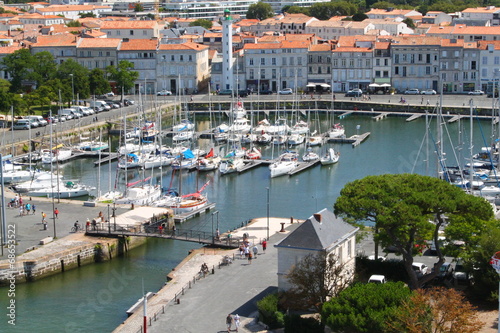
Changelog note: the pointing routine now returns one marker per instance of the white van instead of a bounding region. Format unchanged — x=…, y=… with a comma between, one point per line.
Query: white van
x=99, y=105
x=68, y=113
x=39, y=120
x=82, y=109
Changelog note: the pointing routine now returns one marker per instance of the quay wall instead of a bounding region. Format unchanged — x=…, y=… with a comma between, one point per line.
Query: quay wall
x=67, y=253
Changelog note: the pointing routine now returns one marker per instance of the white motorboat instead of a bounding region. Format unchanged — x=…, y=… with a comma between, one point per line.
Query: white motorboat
x=183, y=136
x=262, y=126
x=130, y=161
x=43, y=181
x=222, y=128
x=183, y=125
x=330, y=157
x=142, y=196
x=279, y=127
x=183, y=203
x=300, y=127
x=240, y=125
x=230, y=165
x=137, y=147
x=279, y=139
x=18, y=176
x=156, y=161
x=337, y=131
x=62, y=191
x=54, y=155
x=285, y=163
x=238, y=110
x=296, y=139
x=109, y=197
x=310, y=156
x=264, y=139
x=315, y=140
x=92, y=145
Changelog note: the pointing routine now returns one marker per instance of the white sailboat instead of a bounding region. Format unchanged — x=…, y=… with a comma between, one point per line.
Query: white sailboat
x=331, y=157
x=285, y=163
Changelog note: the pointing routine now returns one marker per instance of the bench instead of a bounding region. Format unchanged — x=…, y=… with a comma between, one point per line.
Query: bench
x=46, y=240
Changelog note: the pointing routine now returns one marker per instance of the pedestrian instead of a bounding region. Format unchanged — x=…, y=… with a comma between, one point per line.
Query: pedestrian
x=44, y=225
x=21, y=210
x=56, y=212
x=422, y=101
x=88, y=224
x=174, y=229
x=33, y=207
x=250, y=258
x=428, y=102
x=21, y=200
x=160, y=229
x=28, y=208
x=255, y=251
x=264, y=245
x=191, y=98
x=217, y=234
x=237, y=321
x=43, y=217
x=247, y=251
x=242, y=251
x=229, y=322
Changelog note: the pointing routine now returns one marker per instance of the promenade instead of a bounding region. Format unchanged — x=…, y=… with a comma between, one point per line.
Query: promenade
x=234, y=288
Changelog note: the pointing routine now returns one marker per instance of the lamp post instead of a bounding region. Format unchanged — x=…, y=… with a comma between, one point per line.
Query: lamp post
x=114, y=215
x=72, y=89
x=109, y=222
x=267, y=188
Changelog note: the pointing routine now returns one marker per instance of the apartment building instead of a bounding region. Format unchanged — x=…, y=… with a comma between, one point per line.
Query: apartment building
x=489, y=64
x=458, y=66
x=97, y=52
x=131, y=29
x=283, y=24
x=61, y=46
x=467, y=33
x=182, y=66
x=72, y=12
x=415, y=62
x=489, y=14
x=391, y=13
x=142, y=53
x=319, y=69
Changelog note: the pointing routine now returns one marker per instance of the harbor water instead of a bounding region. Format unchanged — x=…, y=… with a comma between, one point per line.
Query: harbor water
x=94, y=298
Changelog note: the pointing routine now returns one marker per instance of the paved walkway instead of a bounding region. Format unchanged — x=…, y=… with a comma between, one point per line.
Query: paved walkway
x=29, y=229
x=233, y=289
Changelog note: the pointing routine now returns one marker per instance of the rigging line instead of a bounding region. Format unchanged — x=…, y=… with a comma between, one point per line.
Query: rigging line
x=486, y=145
x=427, y=130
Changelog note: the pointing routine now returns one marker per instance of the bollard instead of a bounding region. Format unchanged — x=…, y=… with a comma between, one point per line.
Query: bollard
x=178, y=301
x=213, y=270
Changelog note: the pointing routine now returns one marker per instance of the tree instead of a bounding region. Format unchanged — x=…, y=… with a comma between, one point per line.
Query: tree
x=436, y=310
x=260, y=11
x=73, y=76
x=358, y=17
x=5, y=96
x=19, y=65
x=207, y=24
x=44, y=67
x=73, y=24
x=99, y=85
x=365, y=307
x=409, y=22
x=326, y=10
x=402, y=207
x=138, y=8
x=382, y=5
x=89, y=14
x=295, y=10
x=124, y=76
x=317, y=278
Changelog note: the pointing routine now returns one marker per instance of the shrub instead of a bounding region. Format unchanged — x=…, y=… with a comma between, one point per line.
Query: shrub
x=296, y=324
x=268, y=312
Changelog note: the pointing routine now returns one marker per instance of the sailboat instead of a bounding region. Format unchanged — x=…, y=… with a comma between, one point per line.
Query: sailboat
x=331, y=157
x=142, y=196
x=286, y=162
x=209, y=162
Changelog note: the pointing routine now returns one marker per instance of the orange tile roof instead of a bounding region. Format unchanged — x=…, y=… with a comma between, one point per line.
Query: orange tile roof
x=128, y=24
x=184, y=46
x=417, y=40
x=94, y=33
x=320, y=47
x=483, y=44
x=212, y=34
x=376, y=11
x=462, y=29
x=71, y=8
x=98, y=43
x=55, y=40
x=246, y=22
x=9, y=49
x=139, y=44
x=481, y=10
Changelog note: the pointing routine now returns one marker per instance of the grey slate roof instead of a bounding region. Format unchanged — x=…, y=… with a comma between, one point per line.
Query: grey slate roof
x=315, y=235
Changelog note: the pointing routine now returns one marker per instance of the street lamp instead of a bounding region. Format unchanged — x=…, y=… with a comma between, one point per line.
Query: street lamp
x=109, y=222
x=72, y=88
x=114, y=214
x=267, y=188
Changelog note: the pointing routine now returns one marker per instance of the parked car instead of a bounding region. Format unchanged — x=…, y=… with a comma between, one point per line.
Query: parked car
x=380, y=258
x=113, y=104
x=354, y=93
x=52, y=119
x=476, y=92
x=286, y=91
x=164, y=93
x=420, y=268
x=61, y=118
x=460, y=274
x=266, y=92
x=22, y=124
x=242, y=93
x=128, y=102
x=226, y=92
x=414, y=91
x=428, y=92
x=39, y=120
x=377, y=279
x=110, y=94
x=445, y=271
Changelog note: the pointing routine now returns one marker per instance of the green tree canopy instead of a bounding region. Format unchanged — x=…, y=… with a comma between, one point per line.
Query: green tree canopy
x=73, y=76
x=358, y=17
x=138, y=8
x=19, y=65
x=409, y=22
x=44, y=67
x=123, y=75
x=207, y=24
x=326, y=10
x=89, y=14
x=409, y=209
x=99, y=84
x=365, y=307
x=5, y=96
x=295, y=10
x=260, y=11
x=73, y=24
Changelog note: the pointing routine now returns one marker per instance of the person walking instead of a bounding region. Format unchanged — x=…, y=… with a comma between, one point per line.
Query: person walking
x=28, y=209
x=229, y=322
x=56, y=212
x=264, y=245
x=33, y=207
x=250, y=258
x=237, y=322
x=21, y=210
x=43, y=217
x=255, y=251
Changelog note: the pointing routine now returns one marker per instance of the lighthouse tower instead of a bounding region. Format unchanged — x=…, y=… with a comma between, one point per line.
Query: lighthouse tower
x=227, y=51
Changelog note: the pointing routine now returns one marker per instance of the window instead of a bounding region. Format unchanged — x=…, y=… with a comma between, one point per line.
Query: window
x=443, y=76
x=485, y=61
x=427, y=70
x=250, y=62
x=262, y=73
x=108, y=54
x=457, y=53
x=251, y=75
x=335, y=63
x=455, y=65
x=190, y=57
x=349, y=249
x=273, y=61
x=351, y=62
x=473, y=65
x=299, y=72
x=144, y=33
x=172, y=57
x=273, y=73
x=343, y=63
x=291, y=61
x=396, y=58
x=377, y=73
x=472, y=75
x=412, y=58
x=299, y=61
x=386, y=73
x=181, y=58
x=396, y=70
x=360, y=62
x=377, y=62
x=444, y=53
x=263, y=61
x=284, y=61
x=320, y=59
x=310, y=69
x=496, y=60
x=131, y=32
x=455, y=76
x=319, y=70
x=484, y=72
x=420, y=57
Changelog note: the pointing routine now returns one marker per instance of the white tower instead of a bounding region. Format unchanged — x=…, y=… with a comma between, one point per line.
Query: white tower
x=227, y=51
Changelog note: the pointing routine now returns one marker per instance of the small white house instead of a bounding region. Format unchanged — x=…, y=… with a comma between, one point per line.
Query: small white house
x=322, y=232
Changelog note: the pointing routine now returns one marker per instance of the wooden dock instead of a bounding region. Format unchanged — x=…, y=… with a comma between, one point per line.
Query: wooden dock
x=380, y=116
x=359, y=138
x=455, y=118
x=180, y=218
x=303, y=166
x=107, y=159
x=414, y=116
x=250, y=164
x=345, y=114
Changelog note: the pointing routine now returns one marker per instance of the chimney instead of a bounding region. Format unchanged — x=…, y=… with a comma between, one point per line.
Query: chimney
x=317, y=217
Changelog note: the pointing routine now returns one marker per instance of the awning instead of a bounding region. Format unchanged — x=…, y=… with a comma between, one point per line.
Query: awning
x=385, y=85
x=374, y=85
x=325, y=85
x=311, y=85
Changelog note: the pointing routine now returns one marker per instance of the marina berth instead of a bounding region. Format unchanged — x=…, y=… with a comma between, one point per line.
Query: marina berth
x=285, y=164
x=330, y=157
